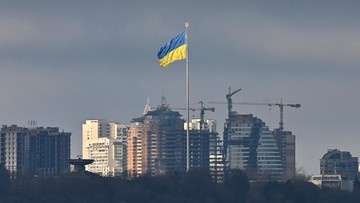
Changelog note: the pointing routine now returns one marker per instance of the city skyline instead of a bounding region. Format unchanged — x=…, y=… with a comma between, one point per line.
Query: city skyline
x=64, y=62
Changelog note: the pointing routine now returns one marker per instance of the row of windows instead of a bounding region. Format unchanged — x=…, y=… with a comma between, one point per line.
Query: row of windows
x=100, y=162
x=270, y=167
x=271, y=149
x=269, y=158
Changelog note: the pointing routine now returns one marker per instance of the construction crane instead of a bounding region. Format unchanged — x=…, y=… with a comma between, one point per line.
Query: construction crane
x=202, y=113
x=280, y=105
x=202, y=110
x=227, y=130
x=229, y=100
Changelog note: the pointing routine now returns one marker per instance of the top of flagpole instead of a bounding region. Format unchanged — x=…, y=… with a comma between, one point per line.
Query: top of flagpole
x=186, y=24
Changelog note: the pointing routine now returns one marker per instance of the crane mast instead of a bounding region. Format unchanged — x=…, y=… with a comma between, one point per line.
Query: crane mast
x=202, y=110
x=202, y=114
x=229, y=100
x=227, y=133
x=281, y=106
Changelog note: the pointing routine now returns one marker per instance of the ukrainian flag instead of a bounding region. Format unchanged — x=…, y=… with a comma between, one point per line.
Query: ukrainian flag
x=173, y=51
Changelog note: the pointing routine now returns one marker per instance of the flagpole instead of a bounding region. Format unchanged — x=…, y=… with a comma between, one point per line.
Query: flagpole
x=187, y=99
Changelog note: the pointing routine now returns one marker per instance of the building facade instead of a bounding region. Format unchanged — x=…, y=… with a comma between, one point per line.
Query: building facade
x=250, y=146
x=39, y=151
x=216, y=165
x=106, y=143
x=156, y=144
x=158, y=139
x=195, y=124
x=336, y=162
x=327, y=181
x=134, y=162
x=286, y=143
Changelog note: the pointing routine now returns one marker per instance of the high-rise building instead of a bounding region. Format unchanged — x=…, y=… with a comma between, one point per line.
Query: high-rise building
x=13, y=149
x=162, y=142
x=134, y=162
x=37, y=150
x=249, y=145
x=336, y=162
x=216, y=165
x=158, y=139
x=286, y=143
x=106, y=143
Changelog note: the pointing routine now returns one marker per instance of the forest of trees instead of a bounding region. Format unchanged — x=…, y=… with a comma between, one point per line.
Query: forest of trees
x=194, y=187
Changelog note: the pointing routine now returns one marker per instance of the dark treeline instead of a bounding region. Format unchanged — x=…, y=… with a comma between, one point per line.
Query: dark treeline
x=194, y=187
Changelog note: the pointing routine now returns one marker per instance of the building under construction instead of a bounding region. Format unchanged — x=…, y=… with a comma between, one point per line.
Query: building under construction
x=286, y=143
x=251, y=146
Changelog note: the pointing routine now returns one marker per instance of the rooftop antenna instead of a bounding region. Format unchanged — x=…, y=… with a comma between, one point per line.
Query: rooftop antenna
x=147, y=107
x=32, y=124
x=163, y=102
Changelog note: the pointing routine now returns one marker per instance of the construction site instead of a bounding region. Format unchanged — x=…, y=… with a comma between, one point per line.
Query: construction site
x=157, y=142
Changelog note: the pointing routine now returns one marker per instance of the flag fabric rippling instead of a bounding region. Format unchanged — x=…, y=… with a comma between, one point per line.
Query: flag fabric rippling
x=173, y=51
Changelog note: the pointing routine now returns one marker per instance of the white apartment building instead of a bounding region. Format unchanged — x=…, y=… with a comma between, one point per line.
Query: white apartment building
x=106, y=143
x=195, y=124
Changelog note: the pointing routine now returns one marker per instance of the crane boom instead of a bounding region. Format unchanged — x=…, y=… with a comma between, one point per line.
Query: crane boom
x=202, y=110
x=280, y=105
x=229, y=100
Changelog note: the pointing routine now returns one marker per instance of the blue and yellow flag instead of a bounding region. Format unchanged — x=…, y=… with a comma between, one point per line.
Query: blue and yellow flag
x=174, y=50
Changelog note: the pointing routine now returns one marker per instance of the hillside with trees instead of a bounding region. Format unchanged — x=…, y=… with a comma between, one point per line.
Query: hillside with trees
x=194, y=187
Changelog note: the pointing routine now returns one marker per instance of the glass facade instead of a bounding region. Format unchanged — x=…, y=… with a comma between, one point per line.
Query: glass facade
x=252, y=147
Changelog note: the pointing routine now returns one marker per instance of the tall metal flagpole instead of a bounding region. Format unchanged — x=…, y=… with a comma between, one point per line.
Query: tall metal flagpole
x=187, y=99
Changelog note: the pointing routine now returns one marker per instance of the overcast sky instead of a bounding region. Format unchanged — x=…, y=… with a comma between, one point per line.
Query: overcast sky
x=62, y=62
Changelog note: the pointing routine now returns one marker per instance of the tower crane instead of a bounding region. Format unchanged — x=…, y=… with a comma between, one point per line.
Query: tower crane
x=202, y=110
x=229, y=100
x=227, y=129
x=202, y=113
x=280, y=105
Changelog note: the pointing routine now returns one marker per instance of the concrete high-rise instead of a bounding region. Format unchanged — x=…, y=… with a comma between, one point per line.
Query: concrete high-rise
x=286, y=143
x=36, y=150
x=134, y=162
x=162, y=137
x=216, y=164
x=249, y=145
x=106, y=143
x=158, y=139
